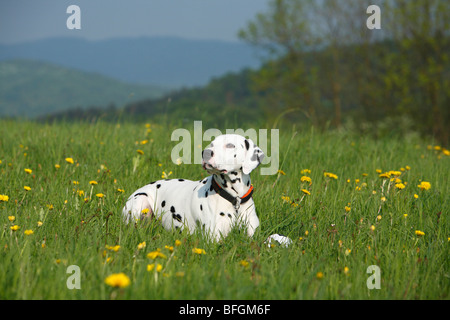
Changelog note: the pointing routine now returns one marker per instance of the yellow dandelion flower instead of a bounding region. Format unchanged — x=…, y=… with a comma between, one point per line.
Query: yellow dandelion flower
x=416, y=196
x=383, y=199
x=244, y=263
x=93, y=182
x=346, y=270
x=424, y=185
x=330, y=175
x=347, y=209
x=198, y=251
x=29, y=171
x=120, y=190
x=281, y=172
x=306, y=179
x=113, y=248
x=170, y=248
x=166, y=175
x=27, y=188
x=372, y=227
x=99, y=195
x=145, y=211
x=28, y=232
x=177, y=243
x=400, y=186
x=319, y=275
x=11, y=218
x=378, y=217
x=385, y=175
x=140, y=152
x=419, y=233
x=4, y=197
x=306, y=192
x=14, y=227
x=118, y=280
x=69, y=160
x=57, y=166
x=155, y=254
x=305, y=171
x=39, y=223
x=141, y=245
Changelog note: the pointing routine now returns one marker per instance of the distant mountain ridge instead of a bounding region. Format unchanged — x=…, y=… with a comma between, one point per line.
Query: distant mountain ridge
x=32, y=88
x=163, y=61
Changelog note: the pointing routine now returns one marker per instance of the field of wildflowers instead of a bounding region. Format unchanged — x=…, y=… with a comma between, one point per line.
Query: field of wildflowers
x=347, y=201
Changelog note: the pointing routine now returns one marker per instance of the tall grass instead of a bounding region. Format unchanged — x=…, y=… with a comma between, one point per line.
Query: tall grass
x=332, y=246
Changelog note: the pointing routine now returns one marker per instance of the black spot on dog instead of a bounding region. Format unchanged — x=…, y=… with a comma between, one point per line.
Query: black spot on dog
x=204, y=181
x=158, y=186
x=152, y=182
x=201, y=207
x=229, y=216
x=222, y=214
x=163, y=203
x=140, y=194
x=211, y=188
x=176, y=217
x=180, y=180
x=172, y=209
x=235, y=180
x=247, y=144
x=234, y=173
x=206, y=194
x=248, y=183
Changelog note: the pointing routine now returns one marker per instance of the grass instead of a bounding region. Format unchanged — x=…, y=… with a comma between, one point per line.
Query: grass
x=331, y=249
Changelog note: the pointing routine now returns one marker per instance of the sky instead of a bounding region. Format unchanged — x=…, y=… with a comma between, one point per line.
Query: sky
x=29, y=20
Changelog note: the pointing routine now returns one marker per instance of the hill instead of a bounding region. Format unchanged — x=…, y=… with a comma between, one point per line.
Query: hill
x=225, y=100
x=165, y=61
x=31, y=88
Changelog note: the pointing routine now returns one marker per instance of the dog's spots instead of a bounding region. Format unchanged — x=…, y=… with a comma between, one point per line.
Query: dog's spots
x=158, y=186
x=248, y=183
x=172, y=209
x=140, y=194
x=222, y=214
x=206, y=194
x=229, y=216
x=201, y=207
x=180, y=180
x=204, y=181
x=211, y=187
x=235, y=180
x=247, y=145
x=152, y=182
x=163, y=204
x=177, y=217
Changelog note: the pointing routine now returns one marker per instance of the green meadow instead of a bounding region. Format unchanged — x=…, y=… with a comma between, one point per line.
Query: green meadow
x=347, y=201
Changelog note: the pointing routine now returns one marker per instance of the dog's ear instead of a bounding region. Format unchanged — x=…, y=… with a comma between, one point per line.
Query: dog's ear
x=253, y=157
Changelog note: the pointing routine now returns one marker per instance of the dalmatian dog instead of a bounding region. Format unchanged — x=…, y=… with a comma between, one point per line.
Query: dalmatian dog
x=215, y=204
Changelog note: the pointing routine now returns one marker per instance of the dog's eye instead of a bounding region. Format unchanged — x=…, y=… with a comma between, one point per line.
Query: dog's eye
x=230, y=145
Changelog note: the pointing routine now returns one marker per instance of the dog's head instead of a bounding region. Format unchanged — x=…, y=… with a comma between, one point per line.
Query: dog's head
x=231, y=152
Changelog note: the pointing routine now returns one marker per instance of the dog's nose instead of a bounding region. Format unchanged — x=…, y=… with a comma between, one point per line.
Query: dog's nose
x=207, y=154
